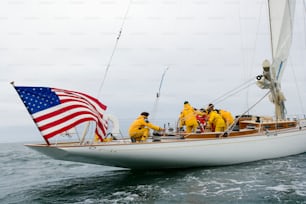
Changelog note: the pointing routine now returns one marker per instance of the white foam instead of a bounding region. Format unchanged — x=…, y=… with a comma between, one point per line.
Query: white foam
x=280, y=188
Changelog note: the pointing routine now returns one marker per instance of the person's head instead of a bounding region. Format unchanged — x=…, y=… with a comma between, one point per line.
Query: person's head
x=210, y=106
x=146, y=114
x=186, y=102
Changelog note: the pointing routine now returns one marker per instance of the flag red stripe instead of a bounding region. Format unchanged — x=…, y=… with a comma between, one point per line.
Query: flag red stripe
x=89, y=106
x=68, y=127
x=82, y=94
x=59, y=111
x=101, y=127
x=64, y=119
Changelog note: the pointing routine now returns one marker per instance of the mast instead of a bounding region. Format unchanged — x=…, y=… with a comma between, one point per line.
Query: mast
x=270, y=27
x=281, y=13
x=279, y=105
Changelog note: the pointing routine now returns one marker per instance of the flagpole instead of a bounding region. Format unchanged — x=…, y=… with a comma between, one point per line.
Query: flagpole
x=47, y=141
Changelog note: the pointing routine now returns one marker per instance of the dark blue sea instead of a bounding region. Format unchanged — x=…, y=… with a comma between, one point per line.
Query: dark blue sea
x=29, y=177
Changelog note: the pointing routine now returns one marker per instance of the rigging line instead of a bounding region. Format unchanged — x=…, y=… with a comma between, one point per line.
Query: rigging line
x=252, y=60
x=230, y=129
x=234, y=89
x=245, y=57
x=161, y=82
x=257, y=32
x=238, y=90
x=258, y=26
x=304, y=3
x=227, y=93
x=234, y=93
x=297, y=87
x=114, y=49
x=158, y=95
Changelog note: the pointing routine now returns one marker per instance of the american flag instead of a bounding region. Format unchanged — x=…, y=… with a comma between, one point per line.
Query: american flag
x=57, y=110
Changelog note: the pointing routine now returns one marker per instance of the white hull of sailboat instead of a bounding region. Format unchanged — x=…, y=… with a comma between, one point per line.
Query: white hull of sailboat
x=186, y=153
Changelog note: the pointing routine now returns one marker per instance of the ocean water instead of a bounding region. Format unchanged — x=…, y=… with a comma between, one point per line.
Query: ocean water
x=30, y=177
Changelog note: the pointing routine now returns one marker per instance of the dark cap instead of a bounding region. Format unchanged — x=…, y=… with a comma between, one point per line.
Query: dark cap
x=186, y=102
x=145, y=114
x=211, y=105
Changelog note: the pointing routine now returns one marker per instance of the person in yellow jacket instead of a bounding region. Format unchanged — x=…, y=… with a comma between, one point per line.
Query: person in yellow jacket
x=215, y=120
x=188, y=118
x=181, y=123
x=140, y=129
x=227, y=116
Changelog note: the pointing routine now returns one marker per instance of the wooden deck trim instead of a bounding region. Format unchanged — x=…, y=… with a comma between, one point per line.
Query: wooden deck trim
x=187, y=138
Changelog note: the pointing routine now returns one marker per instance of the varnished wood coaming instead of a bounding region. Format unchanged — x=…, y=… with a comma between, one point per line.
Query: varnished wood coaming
x=246, y=129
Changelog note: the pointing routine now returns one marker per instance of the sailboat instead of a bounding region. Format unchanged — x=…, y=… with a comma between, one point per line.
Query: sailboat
x=249, y=139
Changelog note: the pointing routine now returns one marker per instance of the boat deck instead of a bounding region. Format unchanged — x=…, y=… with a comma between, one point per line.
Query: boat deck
x=248, y=129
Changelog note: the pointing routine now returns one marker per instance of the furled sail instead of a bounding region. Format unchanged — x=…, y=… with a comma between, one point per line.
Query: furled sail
x=281, y=14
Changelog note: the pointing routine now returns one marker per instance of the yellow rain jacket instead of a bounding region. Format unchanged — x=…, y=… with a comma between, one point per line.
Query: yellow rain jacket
x=188, y=118
x=228, y=118
x=181, y=120
x=217, y=121
x=139, y=129
x=97, y=139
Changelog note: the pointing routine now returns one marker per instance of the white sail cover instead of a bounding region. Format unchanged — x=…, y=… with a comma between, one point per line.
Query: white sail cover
x=281, y=22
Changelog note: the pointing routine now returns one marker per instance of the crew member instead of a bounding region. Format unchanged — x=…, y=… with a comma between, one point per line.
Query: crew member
x=227, y=116
x=202, y=118
x=188, y=118
x=215, y=119
x=140, y=129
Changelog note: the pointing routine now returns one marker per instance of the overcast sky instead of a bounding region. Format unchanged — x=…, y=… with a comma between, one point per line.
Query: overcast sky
x=210, y=47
